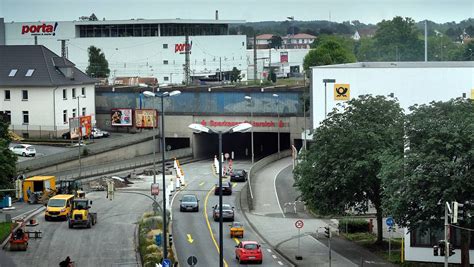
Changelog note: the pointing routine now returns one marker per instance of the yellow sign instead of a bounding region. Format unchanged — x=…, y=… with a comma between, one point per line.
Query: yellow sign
x=342, y=91
x=472, y=94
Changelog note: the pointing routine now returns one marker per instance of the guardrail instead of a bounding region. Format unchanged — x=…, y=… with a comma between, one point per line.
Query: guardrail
x=257, y=166
x=95, y=148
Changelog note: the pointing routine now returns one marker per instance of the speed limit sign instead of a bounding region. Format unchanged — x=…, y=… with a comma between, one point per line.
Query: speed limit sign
x=299, y=224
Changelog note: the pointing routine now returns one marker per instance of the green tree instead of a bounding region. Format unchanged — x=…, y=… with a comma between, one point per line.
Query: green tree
x=397, y=40
x=438, y=166
x=7, y=158
x=468, y=53
x=344, y=166
x=327, y=53
x=442, y=48
x=98, y=65
x=235, y=75
x=275, y=42
x=347, y=43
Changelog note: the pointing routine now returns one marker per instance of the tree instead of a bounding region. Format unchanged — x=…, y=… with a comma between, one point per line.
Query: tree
x=275, y=42
x=344, y=167
x=468, y=53
x=93, y=17
x=327, y=53
x=7, y=158
x=441, y=48
x=98, y=65
x=438, y=167
x=397, y=40
x=235, y=75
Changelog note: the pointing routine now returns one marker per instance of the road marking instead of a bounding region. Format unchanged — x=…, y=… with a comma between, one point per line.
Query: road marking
x=236, y=240
x=276, y=193
x=190, y=238
x=234, y=184
x=273, y=255
x=201, y=183
x=209, y=225
x=269, y=250
x=279, y=262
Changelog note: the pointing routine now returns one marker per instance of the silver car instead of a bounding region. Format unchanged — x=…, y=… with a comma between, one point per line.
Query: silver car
x=227, y=212
x=189, y=203
x=24, y=150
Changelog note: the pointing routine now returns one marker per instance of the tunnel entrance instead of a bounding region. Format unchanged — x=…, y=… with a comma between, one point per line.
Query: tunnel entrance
x=207, y=145
x=173, y=143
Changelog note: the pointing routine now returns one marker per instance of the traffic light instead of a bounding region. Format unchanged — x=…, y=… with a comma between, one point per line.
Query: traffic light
x=442, y=247
x=327, y=232
x=170, y=239
x=435, y=250
x=451, y=250
x=457, y=212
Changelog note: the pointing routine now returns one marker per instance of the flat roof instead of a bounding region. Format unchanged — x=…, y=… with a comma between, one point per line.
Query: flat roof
x=142, y=21
x=399, y=64
x=39, y=178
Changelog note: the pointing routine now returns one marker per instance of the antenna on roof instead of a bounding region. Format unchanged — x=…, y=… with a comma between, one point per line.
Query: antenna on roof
x=217, y=14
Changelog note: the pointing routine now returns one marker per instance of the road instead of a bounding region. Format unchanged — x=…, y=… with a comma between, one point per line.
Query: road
x=42, y=150
x=196, y=234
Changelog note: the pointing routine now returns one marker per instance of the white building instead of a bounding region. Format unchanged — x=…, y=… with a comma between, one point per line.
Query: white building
x=285, y=62
x=151, y=48
x=298, y=41
x=39, y=89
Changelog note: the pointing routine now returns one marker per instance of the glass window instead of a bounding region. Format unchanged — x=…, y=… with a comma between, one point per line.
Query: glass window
x=113, y=31
x=83, y=91
x=83, y=111
x=73, y=112
x=26, y=117
x=12, y=73
x=8, y=115
x=29, y=72
x=65, y=116
x=64, y=93
x=24, y=94
x=165, y=62
x=7, y=94
x=166, y=78
x=165, y=46
x=73, y=92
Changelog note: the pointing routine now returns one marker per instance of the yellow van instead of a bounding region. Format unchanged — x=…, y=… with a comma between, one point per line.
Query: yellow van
x=58, y=206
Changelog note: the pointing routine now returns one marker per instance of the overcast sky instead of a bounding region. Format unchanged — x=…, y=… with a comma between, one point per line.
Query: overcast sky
x=367, y=11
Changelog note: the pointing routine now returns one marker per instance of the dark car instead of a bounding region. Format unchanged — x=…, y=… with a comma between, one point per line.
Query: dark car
x=227, y=212
x=226, y=189
x=238, y=176
x=189, y=203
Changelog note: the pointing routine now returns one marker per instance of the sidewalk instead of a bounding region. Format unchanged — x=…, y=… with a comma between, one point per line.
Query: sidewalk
x=282, y=234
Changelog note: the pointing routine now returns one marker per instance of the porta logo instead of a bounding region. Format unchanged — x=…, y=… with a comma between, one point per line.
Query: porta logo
x=181, y=48
x=40, y=29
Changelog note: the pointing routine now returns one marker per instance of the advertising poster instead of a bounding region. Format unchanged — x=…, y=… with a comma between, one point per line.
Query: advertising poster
x=121, y=117
x=145, y=118
x=80, y=126
x=283, y=57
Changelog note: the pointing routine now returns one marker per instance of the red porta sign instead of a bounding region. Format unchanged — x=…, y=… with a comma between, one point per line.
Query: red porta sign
x=182, y=48
x=40, y=29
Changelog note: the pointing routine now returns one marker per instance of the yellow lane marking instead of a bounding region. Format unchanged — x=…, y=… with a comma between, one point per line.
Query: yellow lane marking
x=236, y=240
x=209, y=225
x=201, y=183
x=190, y=238
x=234, y=184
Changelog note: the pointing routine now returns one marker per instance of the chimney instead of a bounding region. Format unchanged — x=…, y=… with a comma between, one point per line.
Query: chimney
x=217, y=14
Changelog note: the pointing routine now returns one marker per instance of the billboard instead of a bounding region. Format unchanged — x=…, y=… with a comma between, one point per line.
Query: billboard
x=283, y=57
x=121, y=117
x=80, y=126
x=146, y=118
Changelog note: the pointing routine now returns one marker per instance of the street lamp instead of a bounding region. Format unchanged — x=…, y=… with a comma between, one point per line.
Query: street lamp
x=198, y=128
x=249, y=98
x=163, y=146
x=278, y=123
x=326, y=81
x=79, y=139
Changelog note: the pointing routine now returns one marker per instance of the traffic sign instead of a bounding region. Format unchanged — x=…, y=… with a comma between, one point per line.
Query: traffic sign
x=226, y=155
x=192, y=260
x=299, y=224
x=166, y=263
x=155, y=189
x=389, y=221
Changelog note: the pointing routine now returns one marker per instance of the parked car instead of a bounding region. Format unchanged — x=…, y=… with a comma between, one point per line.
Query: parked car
x=66, y=135
x=189, y=203
x=227, y=212
x=96, y=133
x=226, y=189
x=104, y=133
x=247, y=251
x=238, y=175
x=24, y=150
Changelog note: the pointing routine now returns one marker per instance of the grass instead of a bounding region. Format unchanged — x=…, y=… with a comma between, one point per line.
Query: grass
x=5, y=229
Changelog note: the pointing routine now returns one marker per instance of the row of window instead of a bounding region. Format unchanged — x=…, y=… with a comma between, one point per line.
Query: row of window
x=66, y=118
x=26, y=115
x=24, y=94
x=28, y=73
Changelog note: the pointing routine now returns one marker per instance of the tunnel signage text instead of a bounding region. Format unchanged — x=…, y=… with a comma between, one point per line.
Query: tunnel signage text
x=225, y=123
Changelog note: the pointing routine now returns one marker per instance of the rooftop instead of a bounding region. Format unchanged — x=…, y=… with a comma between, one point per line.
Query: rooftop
x=404, y=64
x=143, y=21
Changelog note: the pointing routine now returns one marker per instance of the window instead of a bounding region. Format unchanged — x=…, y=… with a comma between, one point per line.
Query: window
x=83, y=91
x=29, y=72
x=64, y=93
x=8, y=115
x=26, y=117
x=73, y=92
x=165, y=46
x=83, y=111
x=7, y=94
x=24, y=94
x=65, y=116
x=166, y=78
x=165, y=62
x=73, y=112
x=12, y=73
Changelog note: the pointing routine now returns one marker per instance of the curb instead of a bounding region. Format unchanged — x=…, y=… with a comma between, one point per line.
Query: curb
x=26, y=218
x=280, y=253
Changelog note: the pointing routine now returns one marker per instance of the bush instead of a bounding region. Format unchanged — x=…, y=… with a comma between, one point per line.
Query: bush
x=354, y=226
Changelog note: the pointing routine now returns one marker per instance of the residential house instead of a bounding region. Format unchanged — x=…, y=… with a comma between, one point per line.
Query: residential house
x=298, y=41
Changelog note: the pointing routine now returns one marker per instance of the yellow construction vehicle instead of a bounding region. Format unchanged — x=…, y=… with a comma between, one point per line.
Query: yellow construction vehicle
x=81, y=215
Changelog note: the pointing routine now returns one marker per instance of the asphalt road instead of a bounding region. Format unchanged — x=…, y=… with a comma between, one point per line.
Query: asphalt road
x=42, y=150
x=196, y=233
x=111, y=242
x=288, y=195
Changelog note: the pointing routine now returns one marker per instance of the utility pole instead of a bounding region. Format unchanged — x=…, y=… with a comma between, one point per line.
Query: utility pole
x=186, y=60
x=426, y=40
x=255, y=58
x=270, y=63
x=220, y=69
x=63, y=47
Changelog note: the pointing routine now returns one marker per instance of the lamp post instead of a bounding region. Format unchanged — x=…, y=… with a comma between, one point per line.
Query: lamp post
x=326, y=81
x=79, y=139
x=249, y=98
x=163, y=146
x=278, y=123
x=242, y=127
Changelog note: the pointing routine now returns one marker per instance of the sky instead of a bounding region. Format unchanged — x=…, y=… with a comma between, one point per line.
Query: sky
x=366, y=11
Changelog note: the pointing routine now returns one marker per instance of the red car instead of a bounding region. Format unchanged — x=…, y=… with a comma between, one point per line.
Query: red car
x=249, y=251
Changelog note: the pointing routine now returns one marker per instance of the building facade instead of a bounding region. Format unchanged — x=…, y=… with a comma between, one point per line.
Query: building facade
x=284, y=62
x=150, y=48
x=40, y=91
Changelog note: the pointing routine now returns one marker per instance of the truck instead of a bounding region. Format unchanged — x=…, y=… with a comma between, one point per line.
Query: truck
x=81, y=214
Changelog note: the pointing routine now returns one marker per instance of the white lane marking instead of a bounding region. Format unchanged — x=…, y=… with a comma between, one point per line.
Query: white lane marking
x=269, y=250
x=276, y=193
x=279, y=262
x=274, y=256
